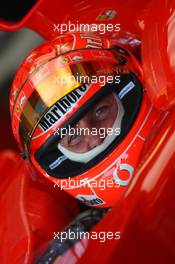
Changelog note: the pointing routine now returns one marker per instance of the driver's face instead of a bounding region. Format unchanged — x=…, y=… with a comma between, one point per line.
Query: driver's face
x=102, y=115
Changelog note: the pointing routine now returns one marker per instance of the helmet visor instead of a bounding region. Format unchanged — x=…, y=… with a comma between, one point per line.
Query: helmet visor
x=60, y=78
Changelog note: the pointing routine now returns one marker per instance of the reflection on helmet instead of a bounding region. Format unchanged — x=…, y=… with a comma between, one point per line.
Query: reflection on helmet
x=80, y=116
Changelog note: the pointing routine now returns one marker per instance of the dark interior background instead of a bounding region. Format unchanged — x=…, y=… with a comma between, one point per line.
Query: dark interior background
x=14, y=47
x=15, y=10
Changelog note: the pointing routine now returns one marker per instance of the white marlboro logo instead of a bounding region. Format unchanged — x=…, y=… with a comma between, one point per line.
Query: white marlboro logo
x=62, y=107
x=90, y=200
x=77, y=58
x=92, y=41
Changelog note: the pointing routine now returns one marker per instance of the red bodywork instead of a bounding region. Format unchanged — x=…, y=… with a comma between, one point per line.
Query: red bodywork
x=31, y=210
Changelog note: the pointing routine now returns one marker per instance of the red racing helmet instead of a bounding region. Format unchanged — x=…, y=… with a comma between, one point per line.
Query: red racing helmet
x=49, y=94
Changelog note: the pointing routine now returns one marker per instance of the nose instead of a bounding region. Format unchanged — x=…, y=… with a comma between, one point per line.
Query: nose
x=92, y=139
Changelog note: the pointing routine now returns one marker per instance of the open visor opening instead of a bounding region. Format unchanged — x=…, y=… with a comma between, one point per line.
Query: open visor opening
x=93, y=131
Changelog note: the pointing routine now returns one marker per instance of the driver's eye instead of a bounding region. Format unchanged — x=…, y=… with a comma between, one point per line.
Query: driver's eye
x=101, y=112
x=70, y=140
